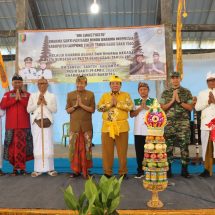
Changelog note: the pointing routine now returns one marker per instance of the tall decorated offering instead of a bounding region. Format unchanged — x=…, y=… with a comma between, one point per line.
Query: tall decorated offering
x=155, y=162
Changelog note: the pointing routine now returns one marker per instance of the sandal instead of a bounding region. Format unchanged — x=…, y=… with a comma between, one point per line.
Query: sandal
x=35, y=174
x=52, y=173
x=87, y=177
x=74, y=175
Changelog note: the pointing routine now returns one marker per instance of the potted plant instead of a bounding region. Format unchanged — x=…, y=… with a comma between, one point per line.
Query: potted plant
x=101, y=198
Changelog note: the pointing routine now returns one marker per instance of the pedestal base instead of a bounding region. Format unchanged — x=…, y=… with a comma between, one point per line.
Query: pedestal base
x=155, y=204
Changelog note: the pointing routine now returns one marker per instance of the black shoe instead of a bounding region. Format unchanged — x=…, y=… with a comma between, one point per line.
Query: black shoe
x=23, y=172
x=107, y=176
x=169, y=172
x=205, y=174
x=139, y=175
x=125, y=177
x=1, y=173
x=184, y=172
x=14, y=173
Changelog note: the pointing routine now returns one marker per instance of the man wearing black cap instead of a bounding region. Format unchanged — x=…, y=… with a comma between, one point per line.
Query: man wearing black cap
x=18, y=144
x=28, y=73
x=139, y=66
x=177, y=104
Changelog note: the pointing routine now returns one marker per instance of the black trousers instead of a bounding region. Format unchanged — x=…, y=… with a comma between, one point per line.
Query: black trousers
x=139, y=142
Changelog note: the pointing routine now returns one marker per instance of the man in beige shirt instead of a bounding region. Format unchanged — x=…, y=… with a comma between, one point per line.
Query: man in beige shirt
x=80, y=106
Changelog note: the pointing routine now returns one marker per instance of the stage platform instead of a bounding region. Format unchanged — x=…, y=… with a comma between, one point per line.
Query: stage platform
x=45, y=192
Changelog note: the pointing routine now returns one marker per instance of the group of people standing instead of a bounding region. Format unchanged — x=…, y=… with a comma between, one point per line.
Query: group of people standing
x=29, y=120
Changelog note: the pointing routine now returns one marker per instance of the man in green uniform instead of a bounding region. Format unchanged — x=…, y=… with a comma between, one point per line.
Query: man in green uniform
x=177, y=104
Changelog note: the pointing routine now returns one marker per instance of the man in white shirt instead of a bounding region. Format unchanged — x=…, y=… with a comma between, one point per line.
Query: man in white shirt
x=44, y=72
x=42, y=101
x=206, y=104
x=142, y=104
x=28, y=73
x=1, y=115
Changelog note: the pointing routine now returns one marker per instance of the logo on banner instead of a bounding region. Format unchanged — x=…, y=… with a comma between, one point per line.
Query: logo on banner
x=22, y=38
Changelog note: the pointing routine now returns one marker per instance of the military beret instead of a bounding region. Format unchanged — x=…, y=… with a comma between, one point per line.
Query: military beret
x=175, y=74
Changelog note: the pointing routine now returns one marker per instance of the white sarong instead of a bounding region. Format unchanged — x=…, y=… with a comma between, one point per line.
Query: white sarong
x=48, y=149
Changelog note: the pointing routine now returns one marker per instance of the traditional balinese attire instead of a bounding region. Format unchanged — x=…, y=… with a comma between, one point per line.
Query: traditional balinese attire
x=18, y=143
x=46, y=163
x=115, y=129
x=1, y=115
x=80, y=147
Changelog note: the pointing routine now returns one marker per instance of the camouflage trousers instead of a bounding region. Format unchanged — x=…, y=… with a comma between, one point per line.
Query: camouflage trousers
x=177, y=134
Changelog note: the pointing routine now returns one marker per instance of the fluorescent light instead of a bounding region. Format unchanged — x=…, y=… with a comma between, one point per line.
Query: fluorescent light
x=94, y=8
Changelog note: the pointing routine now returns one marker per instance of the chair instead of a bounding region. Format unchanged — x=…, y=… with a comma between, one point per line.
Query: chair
x=66, y=131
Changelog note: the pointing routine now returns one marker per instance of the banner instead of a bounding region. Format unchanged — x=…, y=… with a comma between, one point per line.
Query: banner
x=60, y=55
x=3, y=74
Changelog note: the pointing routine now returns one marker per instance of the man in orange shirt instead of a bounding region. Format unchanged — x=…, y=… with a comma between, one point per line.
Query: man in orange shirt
x=115, y=106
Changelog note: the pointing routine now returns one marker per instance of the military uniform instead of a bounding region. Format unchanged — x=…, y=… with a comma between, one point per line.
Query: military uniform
x=177, y=131
x=46, y=73
x=28, y=74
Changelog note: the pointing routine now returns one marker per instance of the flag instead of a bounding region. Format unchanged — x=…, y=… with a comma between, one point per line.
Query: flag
x=3, y=74
x=179, y=60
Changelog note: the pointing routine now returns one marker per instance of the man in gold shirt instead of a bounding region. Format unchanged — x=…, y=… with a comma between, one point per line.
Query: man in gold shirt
x=115, y=106
x=80, y=106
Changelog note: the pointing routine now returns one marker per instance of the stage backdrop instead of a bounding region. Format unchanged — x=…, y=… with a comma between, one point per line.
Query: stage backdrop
x=60, y=55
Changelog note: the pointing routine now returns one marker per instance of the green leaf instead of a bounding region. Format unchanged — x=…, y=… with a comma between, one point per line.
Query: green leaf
x=70, y=199
x=117, y=186
x=90, y=192
x=114, y=205
x=97, y=211
x=81, y=200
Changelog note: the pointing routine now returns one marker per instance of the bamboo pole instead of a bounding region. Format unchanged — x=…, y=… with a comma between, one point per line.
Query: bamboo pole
x=42, y=133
